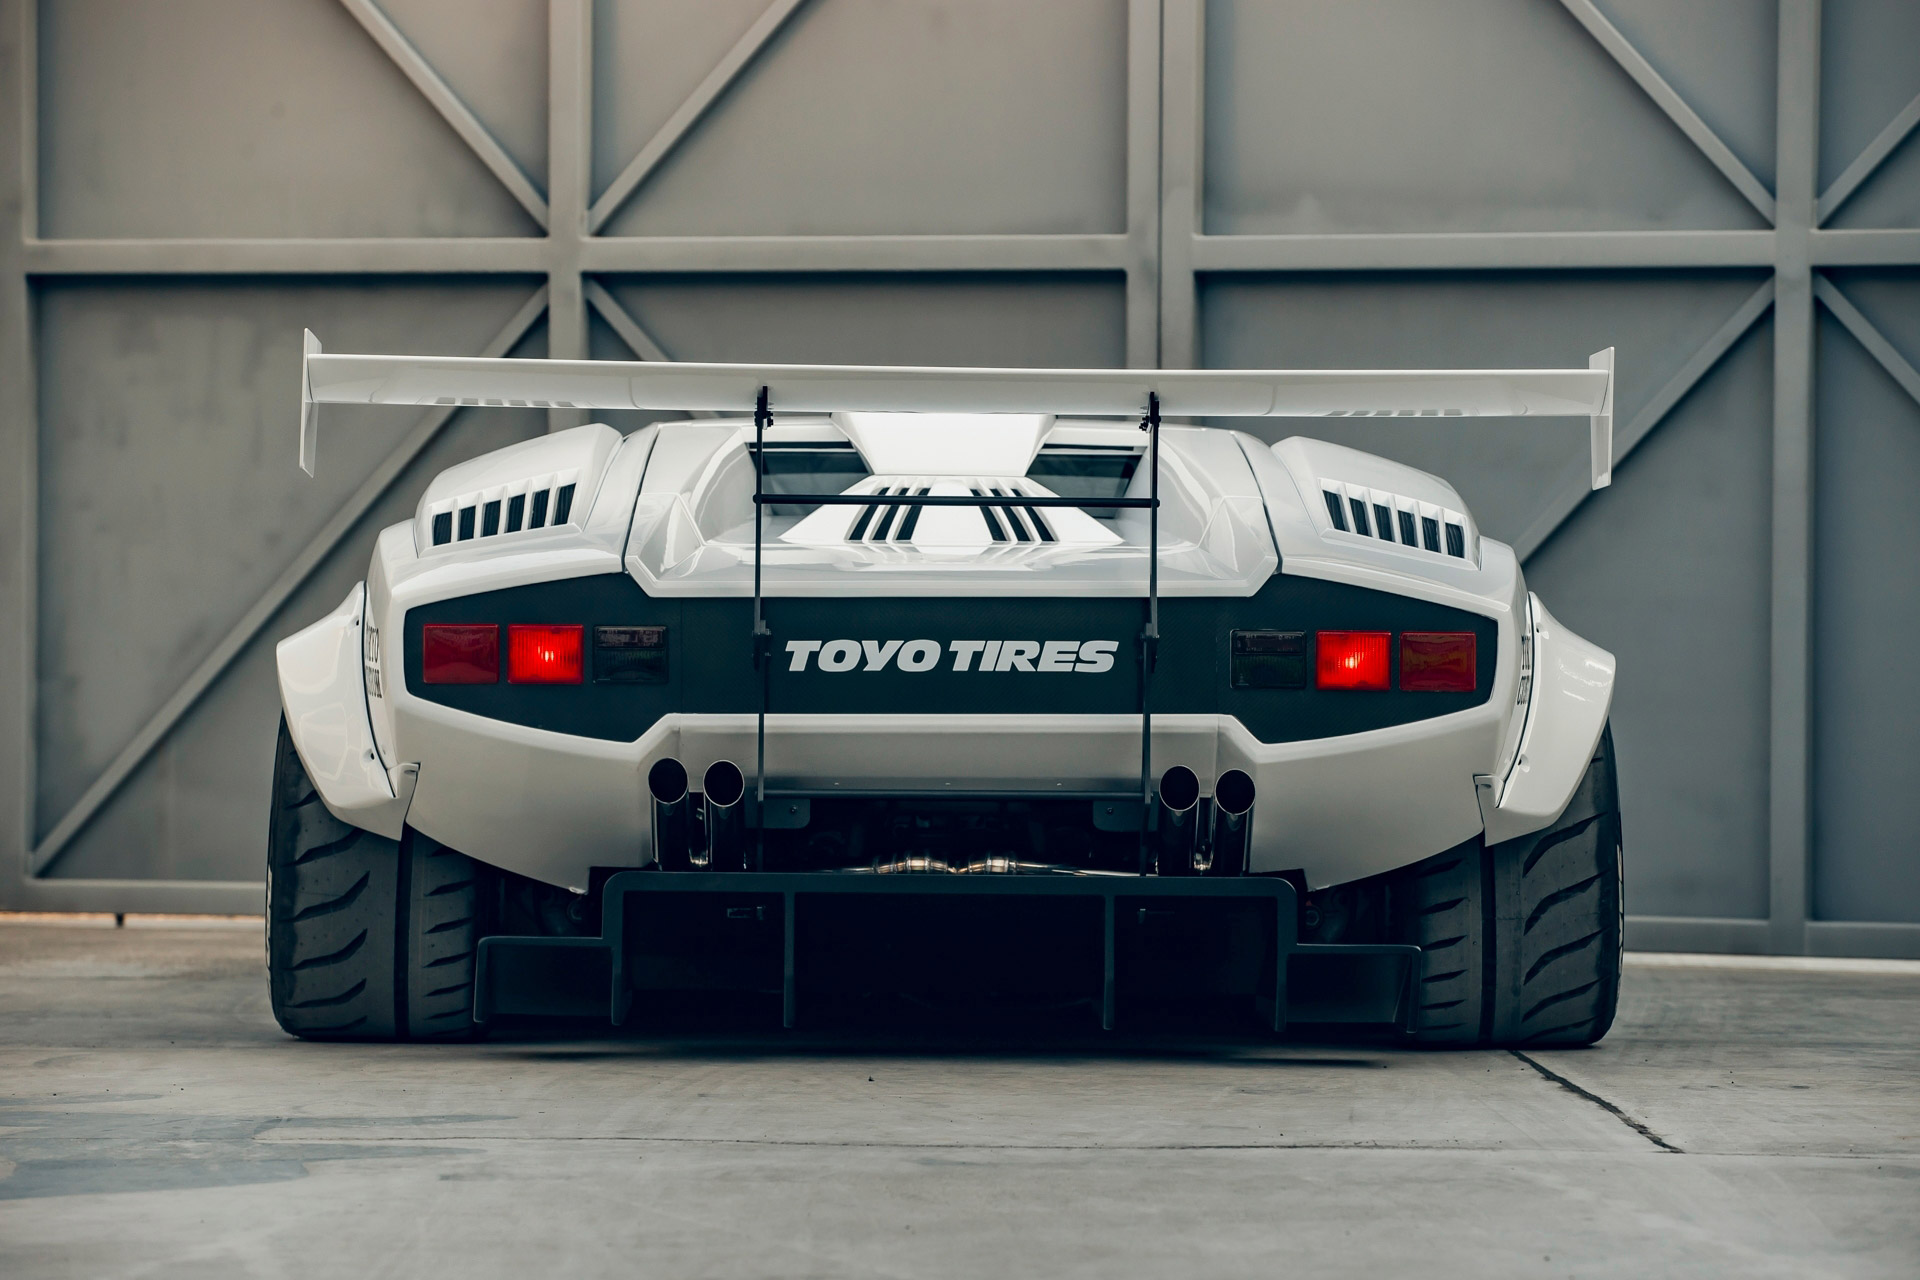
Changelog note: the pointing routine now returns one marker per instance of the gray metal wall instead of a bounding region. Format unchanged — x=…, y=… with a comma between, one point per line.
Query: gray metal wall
x=1728, y=192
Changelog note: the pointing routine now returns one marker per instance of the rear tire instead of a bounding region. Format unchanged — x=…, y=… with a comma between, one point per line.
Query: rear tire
x=367, y=938
x=1521, y=942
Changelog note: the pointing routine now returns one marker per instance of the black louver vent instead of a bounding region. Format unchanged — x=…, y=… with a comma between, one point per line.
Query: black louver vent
x=897, y=523
x=1351, y=509
x=490, y=518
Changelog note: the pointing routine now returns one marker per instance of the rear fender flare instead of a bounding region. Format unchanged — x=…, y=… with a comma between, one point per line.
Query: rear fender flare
x=1571, y=698
x=323, y=691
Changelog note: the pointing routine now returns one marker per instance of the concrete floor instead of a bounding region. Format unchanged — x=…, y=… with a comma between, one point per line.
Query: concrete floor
x=1738, y=1121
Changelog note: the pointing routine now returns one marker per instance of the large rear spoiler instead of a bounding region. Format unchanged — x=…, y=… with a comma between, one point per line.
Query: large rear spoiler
x=802, y=388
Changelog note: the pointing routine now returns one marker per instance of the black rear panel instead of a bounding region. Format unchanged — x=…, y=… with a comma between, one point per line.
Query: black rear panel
x=709, y=666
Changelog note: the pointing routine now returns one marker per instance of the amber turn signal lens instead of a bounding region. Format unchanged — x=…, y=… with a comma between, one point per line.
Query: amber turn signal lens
x=1437, y=661
x=541, y=653
x=1352, y=660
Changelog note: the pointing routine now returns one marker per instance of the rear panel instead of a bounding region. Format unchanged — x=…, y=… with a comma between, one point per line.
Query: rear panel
x=1051, y=657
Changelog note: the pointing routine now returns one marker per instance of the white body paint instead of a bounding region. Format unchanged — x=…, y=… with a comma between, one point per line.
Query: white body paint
x=665, y=506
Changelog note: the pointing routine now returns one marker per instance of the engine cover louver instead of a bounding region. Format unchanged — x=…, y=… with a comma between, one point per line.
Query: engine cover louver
x=949, y=530
x=1403, y=521
x=540, y=502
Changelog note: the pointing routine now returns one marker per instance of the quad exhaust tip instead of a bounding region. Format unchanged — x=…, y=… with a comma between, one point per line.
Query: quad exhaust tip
x=672, y=814
x=1176, y=812
x=1232, y=824
x=1193, y=842
x=725, y=787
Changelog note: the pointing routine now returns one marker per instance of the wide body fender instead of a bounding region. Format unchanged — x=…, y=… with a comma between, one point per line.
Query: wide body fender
x=323, y=691
x=1571, y=698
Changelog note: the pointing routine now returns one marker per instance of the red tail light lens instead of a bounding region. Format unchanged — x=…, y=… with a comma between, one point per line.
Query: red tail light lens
x=544, y=654
x=1352, y=660
x=460, y=653
x=1437, y=661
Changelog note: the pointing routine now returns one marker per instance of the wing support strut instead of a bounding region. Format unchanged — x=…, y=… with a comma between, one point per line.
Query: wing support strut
x=762, y=637
x=1150, y=633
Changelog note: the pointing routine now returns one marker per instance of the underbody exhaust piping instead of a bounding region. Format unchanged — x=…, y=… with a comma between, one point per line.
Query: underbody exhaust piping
x=725, y=787
x=1176, y=812
x=1232, y=821
x=672, y=814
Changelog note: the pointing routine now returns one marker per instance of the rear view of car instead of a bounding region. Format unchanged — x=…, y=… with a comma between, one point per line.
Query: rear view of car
x=956, y=686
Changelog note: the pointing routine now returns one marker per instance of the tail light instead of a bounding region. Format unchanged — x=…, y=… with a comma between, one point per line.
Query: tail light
x=539, y=653
x=1437, y=661
x=460, y=653
x=1352, y=660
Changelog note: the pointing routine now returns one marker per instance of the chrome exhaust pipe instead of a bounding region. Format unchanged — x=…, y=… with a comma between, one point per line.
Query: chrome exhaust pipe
x=672, y=814
x=1232, y=823
x=1176, y=811
x=725, y=787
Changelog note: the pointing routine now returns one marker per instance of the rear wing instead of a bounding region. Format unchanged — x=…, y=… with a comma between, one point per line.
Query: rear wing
x=799, y=388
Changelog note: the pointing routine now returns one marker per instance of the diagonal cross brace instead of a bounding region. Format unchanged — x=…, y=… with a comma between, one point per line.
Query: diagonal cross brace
x=456, y=113
x=690, y=112
x=1868, y=336
x=303, y=565
x=1664, y=96
x=638, y=340
x=1867, y=162
x=1574, y=487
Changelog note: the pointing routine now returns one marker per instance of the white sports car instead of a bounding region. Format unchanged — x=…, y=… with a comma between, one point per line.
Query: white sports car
x=945, y=686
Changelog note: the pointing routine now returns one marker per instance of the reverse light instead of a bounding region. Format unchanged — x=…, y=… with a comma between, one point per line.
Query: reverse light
x=630, y=655
x=460, y=653
x=1437, y=661
x=544, y=653
x=1269, y=659
x=1351, y=660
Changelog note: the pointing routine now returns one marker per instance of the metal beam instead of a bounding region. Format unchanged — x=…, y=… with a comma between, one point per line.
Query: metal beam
x=638, y=340
x=1887, y=248
x=569, y=176
x=1656, y=87
x=436, y=91
x=611, y=255
x=473, y=255
x=1867, y=161
x=1575, y=484
x=1483, y=250
x=689, y=112
x=1868, y=336
x=1790, y=648
x=511, y=255
x=1182, y=125
x=19, y=446
x=1143, y=184
x=263, y=610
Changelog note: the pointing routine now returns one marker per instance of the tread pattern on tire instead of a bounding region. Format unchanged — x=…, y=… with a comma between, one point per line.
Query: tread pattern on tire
x=1439, y=903
x=1521, y=942
x=443, y=941
x=1562, y=936
x=367, y=938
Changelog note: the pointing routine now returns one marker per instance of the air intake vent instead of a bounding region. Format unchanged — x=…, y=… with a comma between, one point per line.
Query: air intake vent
x=1400, y=520
x=956, y=526
x=895, y=525
x=507, y=509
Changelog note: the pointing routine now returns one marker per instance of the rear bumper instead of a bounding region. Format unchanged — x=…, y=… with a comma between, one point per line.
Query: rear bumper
x=552, y=806
x=776, y=933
